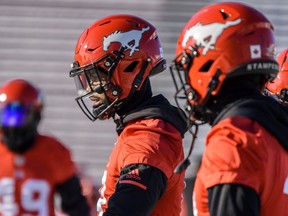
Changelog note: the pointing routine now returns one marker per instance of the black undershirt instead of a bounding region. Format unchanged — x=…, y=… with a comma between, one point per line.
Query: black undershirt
x=233, y=199
x=132, y=200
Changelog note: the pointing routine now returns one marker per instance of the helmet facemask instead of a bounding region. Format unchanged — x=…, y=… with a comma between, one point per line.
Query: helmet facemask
x=179, y=71
x=94, y=86
x=278, y=87
x=283, y=96
x=185, y=94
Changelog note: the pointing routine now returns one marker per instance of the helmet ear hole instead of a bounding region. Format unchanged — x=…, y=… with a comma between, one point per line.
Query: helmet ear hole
x=224, y=14
x=131, y=67
x=206, y=66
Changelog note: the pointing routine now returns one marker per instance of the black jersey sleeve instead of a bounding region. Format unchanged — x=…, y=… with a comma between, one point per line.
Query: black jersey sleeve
x=233, y=199
x=72, y=201
x=138, y=189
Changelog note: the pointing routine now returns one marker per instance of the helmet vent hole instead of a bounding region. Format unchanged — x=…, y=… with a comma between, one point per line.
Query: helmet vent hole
x=105, y=23
x=284, y=60
x=133, y=23
x=224, y=14
x=130, y=68
x=250, y=33
x=206, y=66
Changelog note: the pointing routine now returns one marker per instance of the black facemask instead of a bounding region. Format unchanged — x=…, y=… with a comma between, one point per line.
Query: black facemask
x=20, y=139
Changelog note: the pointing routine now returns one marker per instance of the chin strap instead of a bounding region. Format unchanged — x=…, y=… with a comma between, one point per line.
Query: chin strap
x=186, y=162
x=137, y=82
x=211, y=87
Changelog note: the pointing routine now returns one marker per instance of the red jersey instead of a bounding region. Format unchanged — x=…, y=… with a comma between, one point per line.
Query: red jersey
x=153, y=142
x=28, y=180
x=240, y=151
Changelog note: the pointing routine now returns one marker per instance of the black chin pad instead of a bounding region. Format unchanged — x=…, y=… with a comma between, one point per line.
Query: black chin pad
x=99, y=89
x=97, y=110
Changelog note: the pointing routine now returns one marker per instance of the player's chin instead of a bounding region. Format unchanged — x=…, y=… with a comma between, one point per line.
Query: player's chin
x=103, y=117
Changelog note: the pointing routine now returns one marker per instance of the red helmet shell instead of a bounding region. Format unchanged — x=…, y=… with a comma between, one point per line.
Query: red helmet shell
x=227, y=36
x=138, y=38
x=22, y=92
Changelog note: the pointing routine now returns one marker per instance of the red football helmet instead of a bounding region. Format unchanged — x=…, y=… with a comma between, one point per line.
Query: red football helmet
x=221, y=40
x=20, y=112
x=119, y=52
x=18, y=100
x=279, y=86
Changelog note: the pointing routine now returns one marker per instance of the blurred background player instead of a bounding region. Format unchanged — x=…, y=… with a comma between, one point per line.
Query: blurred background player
x=278, y=88
x=224, y=57
x=89, y=191
x=33, y=167
x=114, y=58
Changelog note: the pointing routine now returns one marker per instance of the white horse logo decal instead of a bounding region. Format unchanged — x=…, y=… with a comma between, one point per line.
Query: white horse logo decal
x=206, y=35
x=129, y=40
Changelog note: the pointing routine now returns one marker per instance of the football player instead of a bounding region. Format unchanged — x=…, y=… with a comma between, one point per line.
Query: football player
x=278, y=88
x=224, y=57
x=33, y=167
x=114, y=58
